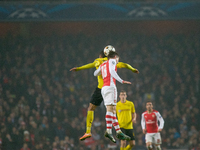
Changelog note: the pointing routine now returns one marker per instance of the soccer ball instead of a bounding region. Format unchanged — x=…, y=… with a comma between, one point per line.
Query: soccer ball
x=107, y=49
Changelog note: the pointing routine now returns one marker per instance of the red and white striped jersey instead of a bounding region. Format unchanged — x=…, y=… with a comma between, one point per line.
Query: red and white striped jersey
x=108, y=69
x=151, y=121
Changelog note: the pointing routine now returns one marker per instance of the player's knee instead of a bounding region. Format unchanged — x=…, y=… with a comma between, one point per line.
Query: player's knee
x=91, y=107
x=149, y=147
x=123, y=143
x=158, y=147
x=132, y=143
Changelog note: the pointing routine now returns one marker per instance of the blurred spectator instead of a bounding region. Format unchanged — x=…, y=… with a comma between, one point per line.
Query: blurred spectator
x=25, y=147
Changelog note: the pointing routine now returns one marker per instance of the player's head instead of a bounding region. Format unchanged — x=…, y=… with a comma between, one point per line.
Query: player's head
x=102, y=55
x=122, y=95
x=149, y=105
x=113, y=55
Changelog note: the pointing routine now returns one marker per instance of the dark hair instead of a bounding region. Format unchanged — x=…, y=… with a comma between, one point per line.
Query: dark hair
x=122, y=91
x=149, y=101
x=112, y=54
x=102, y=54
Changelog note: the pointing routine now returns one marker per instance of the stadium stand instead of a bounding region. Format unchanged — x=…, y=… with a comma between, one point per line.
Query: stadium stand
x=43, y=105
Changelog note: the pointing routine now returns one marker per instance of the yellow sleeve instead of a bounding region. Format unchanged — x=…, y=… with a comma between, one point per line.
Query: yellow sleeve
x=87, y=66
x=125, y=65
x=96, y=63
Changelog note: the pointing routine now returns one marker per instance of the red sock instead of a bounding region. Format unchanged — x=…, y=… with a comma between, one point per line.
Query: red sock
x=109, y=120
x=115, y=123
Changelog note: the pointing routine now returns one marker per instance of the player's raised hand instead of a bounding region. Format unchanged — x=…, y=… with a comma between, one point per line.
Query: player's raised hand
x=136, y=71
x=73, y=69
x=126, y=82
x=144, y=131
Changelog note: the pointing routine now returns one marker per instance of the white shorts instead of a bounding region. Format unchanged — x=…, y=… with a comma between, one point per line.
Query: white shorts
x=154, y=138
x=109, y=94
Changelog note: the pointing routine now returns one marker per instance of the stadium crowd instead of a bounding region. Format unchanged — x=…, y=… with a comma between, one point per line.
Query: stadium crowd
x=43, y=105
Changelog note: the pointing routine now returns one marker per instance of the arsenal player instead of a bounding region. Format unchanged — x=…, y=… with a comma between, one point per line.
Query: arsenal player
x=109, y=93
x=150, y=126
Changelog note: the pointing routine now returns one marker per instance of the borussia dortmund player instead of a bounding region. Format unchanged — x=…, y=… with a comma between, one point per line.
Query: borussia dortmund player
x=97, y=98
x=126, y=117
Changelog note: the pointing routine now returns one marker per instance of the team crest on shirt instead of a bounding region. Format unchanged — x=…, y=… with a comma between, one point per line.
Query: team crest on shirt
x=153, y=116
x=145, y=116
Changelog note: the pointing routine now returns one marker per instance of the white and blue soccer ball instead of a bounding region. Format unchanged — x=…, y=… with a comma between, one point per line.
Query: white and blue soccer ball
x=107, y=49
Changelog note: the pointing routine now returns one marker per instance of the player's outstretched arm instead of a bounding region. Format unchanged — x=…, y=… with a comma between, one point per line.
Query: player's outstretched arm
x=73, y=69
x=126, y=82
x=87, y=66
x=127, y=66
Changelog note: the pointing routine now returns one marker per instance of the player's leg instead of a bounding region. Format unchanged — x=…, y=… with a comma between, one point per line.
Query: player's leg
x=158, y=141
x=149, y=141
x=109, y=120
x=157, y=146
x=114, y=102
x=120, y=135
x=89, y=120
x=115, y=120
x=130, y=133
x=122, y=144
x=108, y=100
x=90, y=117
x=95, y=101
x=130, y=145
x=149, y=146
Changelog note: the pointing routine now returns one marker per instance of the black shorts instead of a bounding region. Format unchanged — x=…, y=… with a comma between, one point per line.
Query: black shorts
x=96, y=98
x=128, y=132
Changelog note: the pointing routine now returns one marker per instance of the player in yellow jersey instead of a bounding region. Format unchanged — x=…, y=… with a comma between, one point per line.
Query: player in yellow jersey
x=97, y=98
x=126, y=117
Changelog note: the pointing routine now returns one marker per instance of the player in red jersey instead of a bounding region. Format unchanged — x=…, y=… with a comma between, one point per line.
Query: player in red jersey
x=109, y=92
x=149, y=122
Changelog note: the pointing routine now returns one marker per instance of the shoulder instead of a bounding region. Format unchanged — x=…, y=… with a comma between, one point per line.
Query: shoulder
x=98, y=59
x=120, y=63
x=101, y=59
x=105, y=58
x=112, y=61
x=144, y=113
x=155, y=111
x=104, y=63
x=129, y=102
x=118, y=103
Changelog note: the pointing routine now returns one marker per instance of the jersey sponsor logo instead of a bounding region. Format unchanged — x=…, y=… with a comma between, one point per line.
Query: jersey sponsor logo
x=124, y=110
x=150, y=122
